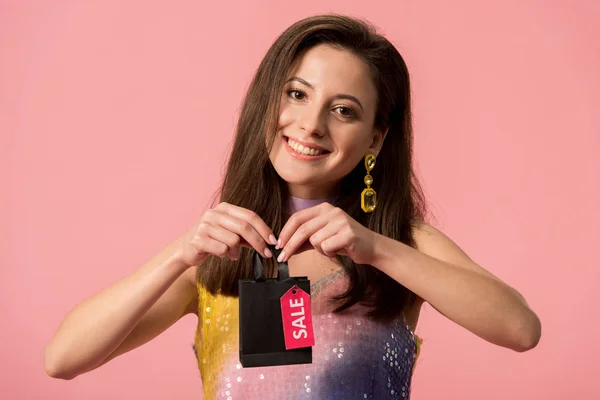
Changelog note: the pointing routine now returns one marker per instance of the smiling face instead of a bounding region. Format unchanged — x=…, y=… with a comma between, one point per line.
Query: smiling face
x=326, y=119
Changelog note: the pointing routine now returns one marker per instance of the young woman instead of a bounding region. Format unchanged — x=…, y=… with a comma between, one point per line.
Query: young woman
x=321, y=171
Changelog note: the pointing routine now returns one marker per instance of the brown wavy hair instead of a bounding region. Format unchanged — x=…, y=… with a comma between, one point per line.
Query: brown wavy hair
x=251, y=182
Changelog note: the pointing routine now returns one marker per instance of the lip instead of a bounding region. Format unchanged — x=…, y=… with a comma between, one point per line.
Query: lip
x=305, y=143
x=303, y=157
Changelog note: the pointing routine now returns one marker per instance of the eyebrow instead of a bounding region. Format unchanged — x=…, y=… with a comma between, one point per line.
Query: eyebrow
x=337, y=96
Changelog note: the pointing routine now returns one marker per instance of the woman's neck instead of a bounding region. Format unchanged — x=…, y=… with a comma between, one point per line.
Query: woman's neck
x=294, y=204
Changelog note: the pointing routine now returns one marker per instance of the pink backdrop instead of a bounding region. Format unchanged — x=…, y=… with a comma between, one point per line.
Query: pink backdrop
x=115, y=119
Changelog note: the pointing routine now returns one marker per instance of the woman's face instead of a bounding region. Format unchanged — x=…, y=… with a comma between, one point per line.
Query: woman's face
x=325, y=122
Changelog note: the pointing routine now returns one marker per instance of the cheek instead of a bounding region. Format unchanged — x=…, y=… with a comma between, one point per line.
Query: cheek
x=286, y=115
x=352, y=142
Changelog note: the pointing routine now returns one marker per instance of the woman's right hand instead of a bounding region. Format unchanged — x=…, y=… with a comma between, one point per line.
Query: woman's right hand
x=221, y=231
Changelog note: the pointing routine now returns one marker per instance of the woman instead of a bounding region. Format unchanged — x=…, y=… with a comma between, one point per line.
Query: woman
x=325, y=179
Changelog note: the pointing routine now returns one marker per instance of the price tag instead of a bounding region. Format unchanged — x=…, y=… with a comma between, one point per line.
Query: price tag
x=297, y=319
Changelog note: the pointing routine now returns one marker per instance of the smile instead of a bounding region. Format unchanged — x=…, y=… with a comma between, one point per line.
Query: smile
x=304, y=151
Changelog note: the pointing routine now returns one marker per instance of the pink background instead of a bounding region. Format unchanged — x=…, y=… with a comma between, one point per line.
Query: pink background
x=116, y=117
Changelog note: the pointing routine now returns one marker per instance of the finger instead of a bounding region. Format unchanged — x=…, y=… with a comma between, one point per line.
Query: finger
x=335, y=244
x=251, y=217
x=209, y=245
x=296, y=220
x=301, y=235
x=228, y=238
x=322, y=235
x=242, y=228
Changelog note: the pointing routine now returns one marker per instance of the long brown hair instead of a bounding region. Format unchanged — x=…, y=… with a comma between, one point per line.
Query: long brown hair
x=252, y=182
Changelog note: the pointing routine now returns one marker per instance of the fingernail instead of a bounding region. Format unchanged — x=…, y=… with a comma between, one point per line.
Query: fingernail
x=278, y=244
x=272, y=239
x=281, y=256
x=268, y=253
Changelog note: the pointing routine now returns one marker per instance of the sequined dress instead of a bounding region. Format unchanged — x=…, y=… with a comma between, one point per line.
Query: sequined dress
x=353, y=357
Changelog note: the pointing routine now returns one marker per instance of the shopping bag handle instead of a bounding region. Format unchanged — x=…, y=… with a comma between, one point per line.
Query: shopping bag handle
x=283, y=271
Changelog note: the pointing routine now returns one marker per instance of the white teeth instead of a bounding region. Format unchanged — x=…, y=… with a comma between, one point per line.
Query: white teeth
x=298, y=148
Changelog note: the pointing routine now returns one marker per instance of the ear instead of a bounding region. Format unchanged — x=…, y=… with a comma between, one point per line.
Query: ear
x=378, y=138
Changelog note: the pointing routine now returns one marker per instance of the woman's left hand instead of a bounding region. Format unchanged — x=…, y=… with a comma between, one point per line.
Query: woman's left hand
x=330, y=231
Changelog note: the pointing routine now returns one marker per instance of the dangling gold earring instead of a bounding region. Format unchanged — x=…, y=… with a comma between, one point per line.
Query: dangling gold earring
x=368, y=197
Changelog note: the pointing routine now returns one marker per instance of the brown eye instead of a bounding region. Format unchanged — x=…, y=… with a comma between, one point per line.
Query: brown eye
x=346, y=112
x=296, y=94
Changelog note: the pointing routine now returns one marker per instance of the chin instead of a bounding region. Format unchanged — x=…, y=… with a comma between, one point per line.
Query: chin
x=295, y=177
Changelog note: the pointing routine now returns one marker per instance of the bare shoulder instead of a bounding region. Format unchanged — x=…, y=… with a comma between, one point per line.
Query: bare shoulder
x=434, y=243
x=189, y=279
x=190, y=276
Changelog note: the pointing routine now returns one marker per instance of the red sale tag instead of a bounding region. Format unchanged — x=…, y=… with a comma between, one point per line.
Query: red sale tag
x=297, y=319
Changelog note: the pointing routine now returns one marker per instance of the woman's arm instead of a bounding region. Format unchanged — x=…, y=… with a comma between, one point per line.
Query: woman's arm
x=439, y=272
x=444, y=276
x=123, y=316
x=141, y=306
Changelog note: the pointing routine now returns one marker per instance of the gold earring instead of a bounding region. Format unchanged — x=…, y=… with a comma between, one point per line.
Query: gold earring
x=368, y=197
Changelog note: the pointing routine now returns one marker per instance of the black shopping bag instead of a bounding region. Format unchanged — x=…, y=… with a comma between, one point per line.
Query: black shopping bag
x=262, y=340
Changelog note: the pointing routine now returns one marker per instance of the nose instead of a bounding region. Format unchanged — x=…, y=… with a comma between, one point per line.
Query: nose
x=311, y=121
